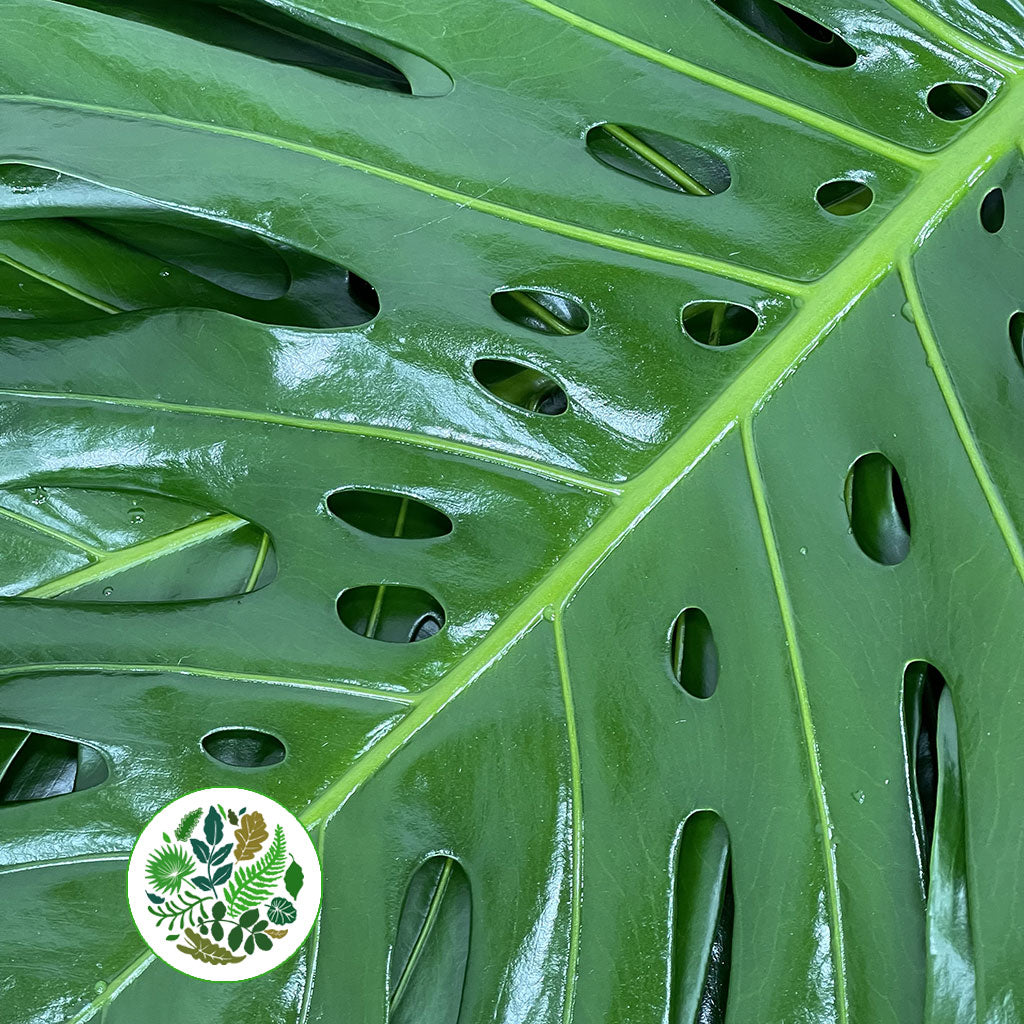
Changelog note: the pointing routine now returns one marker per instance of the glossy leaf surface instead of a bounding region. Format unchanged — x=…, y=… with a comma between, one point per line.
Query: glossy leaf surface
x=404, y=474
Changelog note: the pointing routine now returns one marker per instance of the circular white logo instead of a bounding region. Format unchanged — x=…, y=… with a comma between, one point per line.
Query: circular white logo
x=224, y=884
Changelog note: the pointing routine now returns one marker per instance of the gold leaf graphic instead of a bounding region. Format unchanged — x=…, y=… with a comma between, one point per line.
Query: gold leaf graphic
x=277, y=933
x=251, y=835
x=207, y=951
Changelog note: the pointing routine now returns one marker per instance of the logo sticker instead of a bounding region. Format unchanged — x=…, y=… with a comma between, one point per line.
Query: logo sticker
x=224, y=884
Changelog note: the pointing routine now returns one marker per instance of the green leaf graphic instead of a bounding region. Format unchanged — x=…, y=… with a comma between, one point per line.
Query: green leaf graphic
x=187, y=824
x=253, y=883
x=213, y=827
x=280, y=911
x=293, y=879
x=168, y=867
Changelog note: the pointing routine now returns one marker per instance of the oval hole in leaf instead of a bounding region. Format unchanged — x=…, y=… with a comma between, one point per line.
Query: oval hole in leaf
x=1016, y=331
x=541, y=311
x=388, y=515
x=431, y=948
x=126, y=547
x=394, y=614
x=845, y=197
x=877, y=509
x=792, y=31
x=718, y=324
x=694, y=653
x=659, y=159
x=111, y=252
x=316, y=44
x=244, y=748
x=956, y=101
x=993, y=211
x=35, y=766
x=702, y=922
x=522, y=386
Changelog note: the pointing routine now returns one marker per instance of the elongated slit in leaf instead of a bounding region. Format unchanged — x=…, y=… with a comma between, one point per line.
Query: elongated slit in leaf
x=35, y=766
x=939, y=820
x=427, y=969
x=385, y=514
x=923, y=686
x=521, y=385
x=659, y=159
x=73, y=250
x=791, y=30
x=541, y=311
x=694, y=653
x=306, y=41
x=702, y=922
x=956, y=101
x=89, y=546
x=391, y=613
x=1015, y=329
x=876, y=505
x=244, y=748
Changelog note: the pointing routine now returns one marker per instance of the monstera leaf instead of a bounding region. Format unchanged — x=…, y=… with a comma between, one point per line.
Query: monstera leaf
x=569, y=455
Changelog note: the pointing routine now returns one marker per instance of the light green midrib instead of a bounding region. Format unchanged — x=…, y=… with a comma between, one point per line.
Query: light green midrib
x=138, y=554
x=427, y=926
x=956, y=411
x=534, y=466
x=836, y=935
x=618, y=243
x=900, y=234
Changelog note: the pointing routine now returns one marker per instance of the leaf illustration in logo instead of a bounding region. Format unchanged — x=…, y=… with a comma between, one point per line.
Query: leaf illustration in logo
x=168, y=867
x=251, y=835
x=281, y=911
x=222, y=874
x=277, y=933
x=261, y=939
x=232, y=817
x=213, y=826
x=201, y=883
x=235, y=938
x=220, y=854
x=201, y=850
x=188, y=824
x=293, y=878
x=153, y=898
x=255, y=882
x=207, y=951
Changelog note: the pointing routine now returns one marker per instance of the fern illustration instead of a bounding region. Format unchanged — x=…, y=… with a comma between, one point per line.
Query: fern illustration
x=187, y=824
x=254, y=883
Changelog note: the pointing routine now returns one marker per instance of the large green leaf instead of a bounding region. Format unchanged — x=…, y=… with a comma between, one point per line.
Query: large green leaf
x=655, y=368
